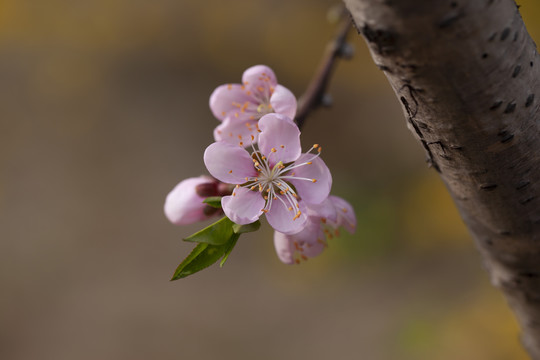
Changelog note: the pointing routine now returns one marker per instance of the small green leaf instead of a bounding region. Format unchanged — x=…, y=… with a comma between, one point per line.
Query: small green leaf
x=229, y=246
x=216, y=234
x=200, y=258
x=204, y=255
x=213, y=201
x=241, y=229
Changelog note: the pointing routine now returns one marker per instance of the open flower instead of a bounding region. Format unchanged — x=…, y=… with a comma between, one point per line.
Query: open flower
x=240, y=106
x=184, y=204
x=275, y=179
x=323, y=222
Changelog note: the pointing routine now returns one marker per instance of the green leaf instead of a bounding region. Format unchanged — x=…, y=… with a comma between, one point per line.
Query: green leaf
x=216, y=234
x=241, y=229
x=213, y=201
x=202, y=256
x=228, y=248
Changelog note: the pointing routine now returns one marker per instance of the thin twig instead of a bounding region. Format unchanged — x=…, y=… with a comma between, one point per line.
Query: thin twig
x=314, y=94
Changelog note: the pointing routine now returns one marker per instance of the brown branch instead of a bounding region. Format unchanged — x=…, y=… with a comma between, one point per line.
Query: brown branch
x=467, y=74
x=313, y=97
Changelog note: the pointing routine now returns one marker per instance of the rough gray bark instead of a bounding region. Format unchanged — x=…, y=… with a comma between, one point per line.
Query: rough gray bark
x=468, y=76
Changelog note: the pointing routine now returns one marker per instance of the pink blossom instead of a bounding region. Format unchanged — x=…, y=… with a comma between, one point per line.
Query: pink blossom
x=323, y=222
x=240, y=106
x=184, y=204
x=275, y=179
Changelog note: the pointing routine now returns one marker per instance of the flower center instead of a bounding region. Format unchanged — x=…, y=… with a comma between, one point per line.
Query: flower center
x=273, y=181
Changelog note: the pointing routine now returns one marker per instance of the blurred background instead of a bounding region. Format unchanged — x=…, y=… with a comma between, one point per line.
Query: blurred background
x=104, y=108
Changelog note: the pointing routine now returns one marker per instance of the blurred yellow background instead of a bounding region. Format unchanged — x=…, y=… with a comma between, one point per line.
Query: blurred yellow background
x=104, y=108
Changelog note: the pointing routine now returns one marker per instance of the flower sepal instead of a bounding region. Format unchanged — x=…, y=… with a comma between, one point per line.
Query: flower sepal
x=214, y=242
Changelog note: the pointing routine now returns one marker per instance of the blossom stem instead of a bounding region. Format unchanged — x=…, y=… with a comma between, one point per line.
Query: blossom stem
x=313, y=96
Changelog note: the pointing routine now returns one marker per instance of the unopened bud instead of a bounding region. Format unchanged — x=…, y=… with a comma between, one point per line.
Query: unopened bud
x=346, y=51
x=327, y=100
x=224, y=189
x=209, y=210
x=206, y=189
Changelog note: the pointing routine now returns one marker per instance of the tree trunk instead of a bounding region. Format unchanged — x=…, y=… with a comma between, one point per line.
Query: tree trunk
x=468, y=77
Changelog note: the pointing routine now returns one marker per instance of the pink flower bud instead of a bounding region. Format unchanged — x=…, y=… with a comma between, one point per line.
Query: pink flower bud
x=184, y=204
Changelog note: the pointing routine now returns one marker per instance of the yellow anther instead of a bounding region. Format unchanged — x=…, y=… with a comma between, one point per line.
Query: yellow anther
x=315, y=145
x=319, y=149
x=282, y=146
x=240, y=137
x=314, y=180
x=252, y=138
x=265, y=197
x=309, y=163
x=241, y=143
x=290, y=208
x=223, y=113
x=244, y=107
x=253, y=187
x=260, y=88
x=236, y=114
x=237, y=186
x=230, y=171
x=344, y=210
x=273, y=150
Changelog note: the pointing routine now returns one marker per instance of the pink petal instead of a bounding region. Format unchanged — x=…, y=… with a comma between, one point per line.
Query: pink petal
x=284, y=248
x=283, y=101
x=312, y=192
x=234, y=132
x=243, y=206
x=229, y=100
x=228, y=163
x=259, y=77
x=325, y=210
x=183, y=205
x=309, y=242
x=346, y=215
x=284, y=220
x=279, y=139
